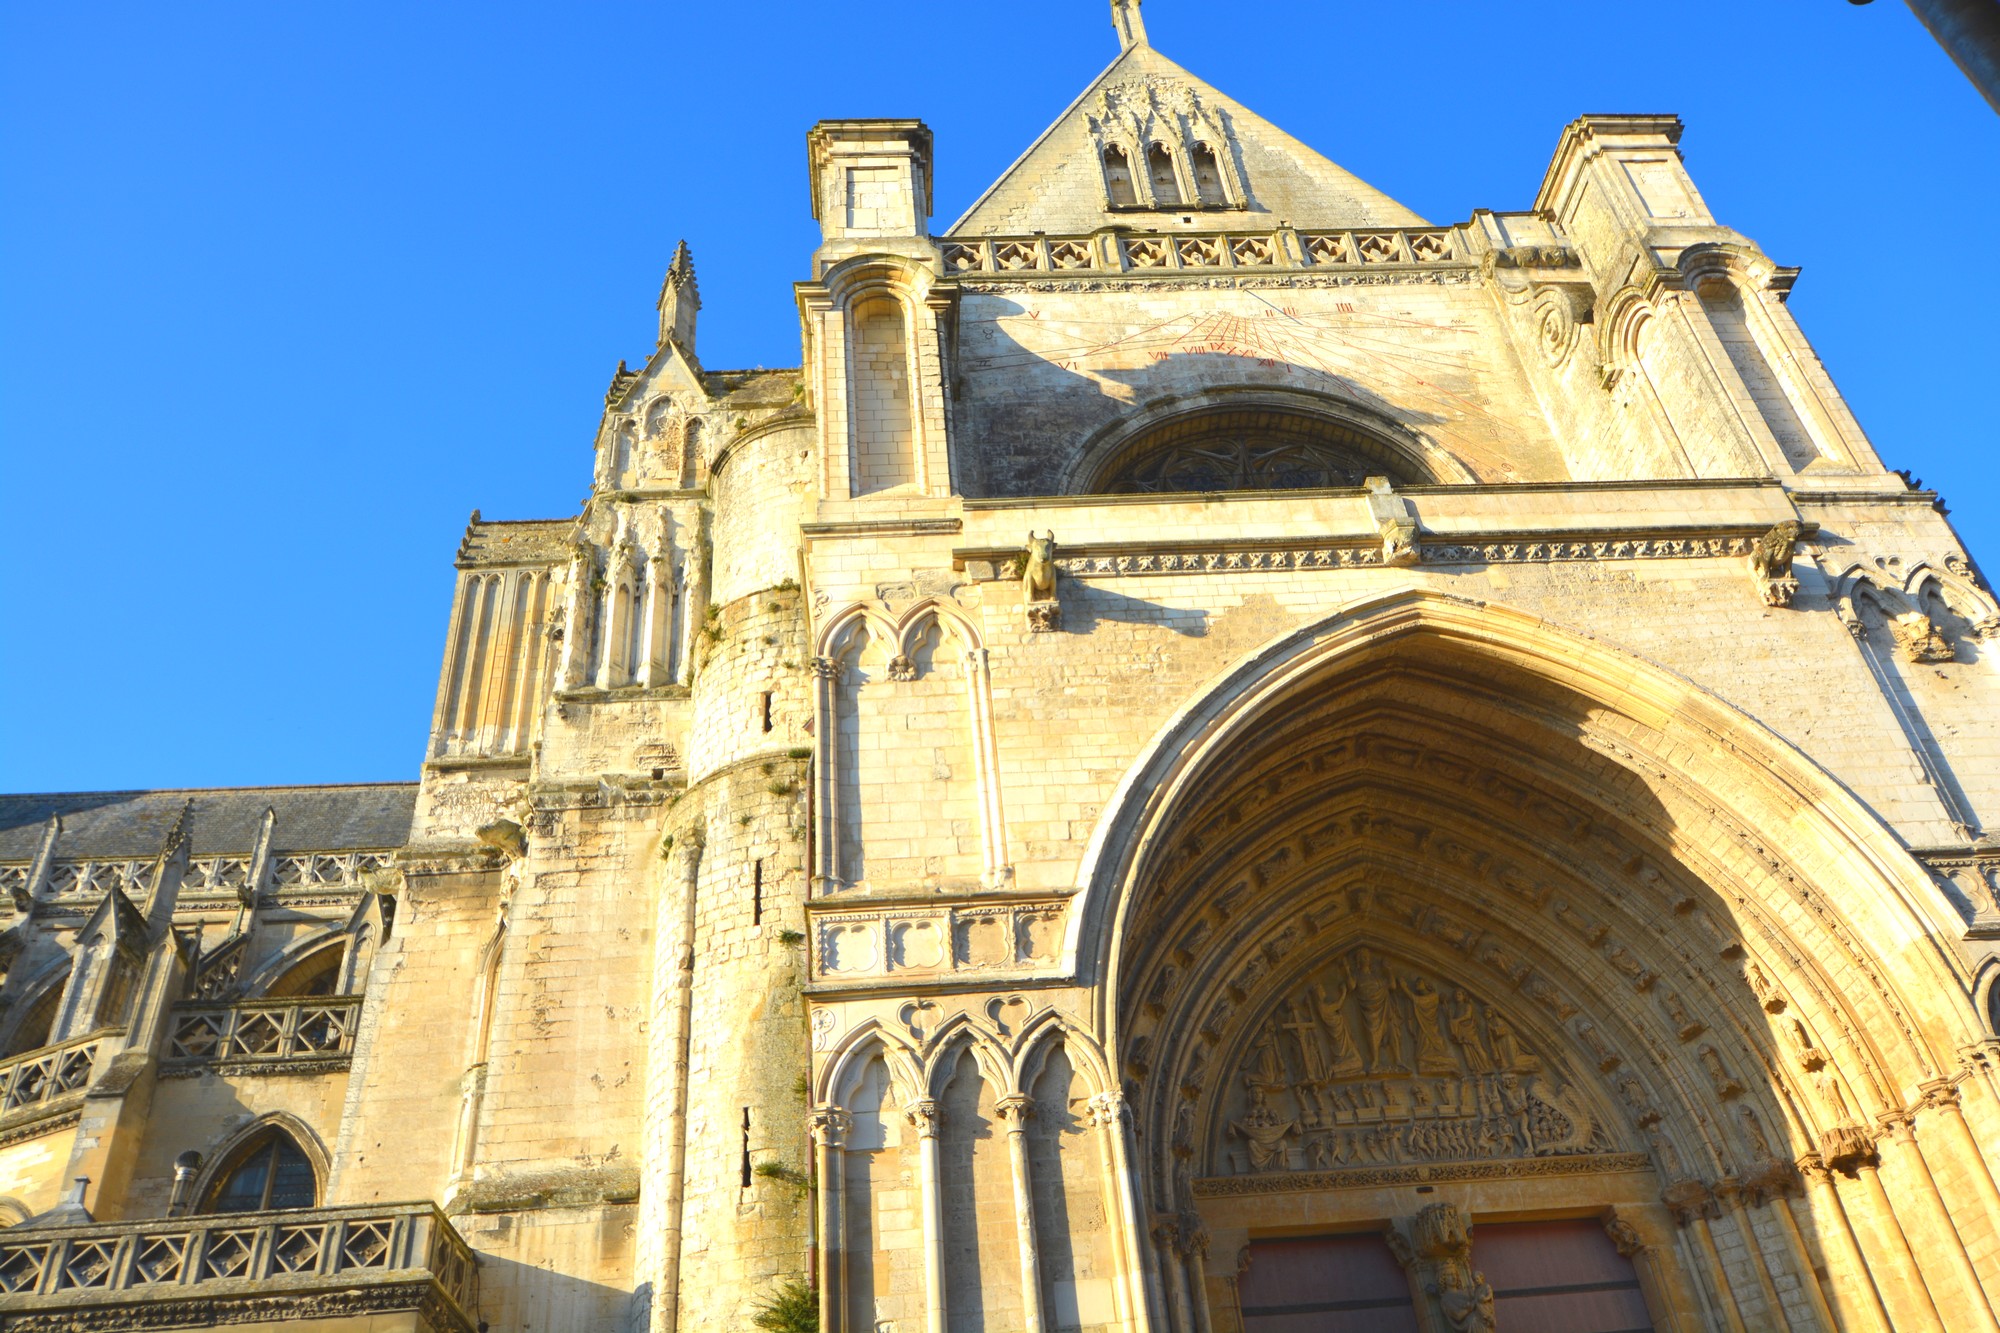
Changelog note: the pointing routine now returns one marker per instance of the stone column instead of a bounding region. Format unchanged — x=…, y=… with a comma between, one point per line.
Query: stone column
x=826, y=777
x=1166, y=1233
x=1662, y=1301
x=1861, y=1309
x=1910, y=1164
x=1919, y=1311
x=656, y=652
x=576, y=618
x=1015, y=1111
x=1693, y=1205
x=829, y=1126
x=1443, y=1239
x=1108, y=1112
x=979, y=689
x=1942, y=1098
x=1781, y=1213
x=1730, y=1191
x=1413, y=1272
x=927, y=1115
x=1193, y=1246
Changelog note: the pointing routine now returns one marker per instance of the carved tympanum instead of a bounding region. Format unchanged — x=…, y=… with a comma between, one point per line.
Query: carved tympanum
x=1371, y=1062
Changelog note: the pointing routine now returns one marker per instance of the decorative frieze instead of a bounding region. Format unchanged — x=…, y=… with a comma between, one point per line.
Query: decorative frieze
x=1416, y=1173
x=1117, y=560
x=972, y=938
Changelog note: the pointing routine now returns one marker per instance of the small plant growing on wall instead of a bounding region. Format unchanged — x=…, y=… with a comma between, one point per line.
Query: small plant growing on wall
x=793, y=1308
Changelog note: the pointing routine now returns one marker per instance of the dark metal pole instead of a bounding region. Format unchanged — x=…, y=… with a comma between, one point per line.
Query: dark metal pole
x=1969, y=31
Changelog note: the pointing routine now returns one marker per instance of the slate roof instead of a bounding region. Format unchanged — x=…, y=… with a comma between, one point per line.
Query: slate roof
x=221, y=820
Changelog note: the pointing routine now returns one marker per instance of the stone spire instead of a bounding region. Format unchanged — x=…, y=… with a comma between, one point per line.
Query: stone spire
x=679, y=299
x=1131, y=28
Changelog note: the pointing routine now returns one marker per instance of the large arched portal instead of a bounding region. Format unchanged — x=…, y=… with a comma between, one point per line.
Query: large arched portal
x=1438, y=939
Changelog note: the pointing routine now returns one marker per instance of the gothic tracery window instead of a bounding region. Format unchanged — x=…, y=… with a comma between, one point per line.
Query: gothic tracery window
x=270, y=1172
x=1249, y=451
x=1208, y=185
x=1118, y=179
x=1160, y=170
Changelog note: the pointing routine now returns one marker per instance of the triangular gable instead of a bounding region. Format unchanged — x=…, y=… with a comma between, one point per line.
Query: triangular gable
x=1057, y=186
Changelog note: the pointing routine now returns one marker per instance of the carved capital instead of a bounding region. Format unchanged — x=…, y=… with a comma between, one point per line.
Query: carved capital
x=825, y=668
x=926, y=1115
x=1016, y=1110
x=1939, y=1095
x=1108, y=1108
x=902, y=668
x=1846, y=1147
x=1691, y=1200
x=1902, y=1127
x=829, y=1126
x=1814, y=1171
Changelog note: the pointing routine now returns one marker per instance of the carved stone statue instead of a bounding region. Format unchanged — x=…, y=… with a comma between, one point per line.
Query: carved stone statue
x=1038, y=583
x=1432, y=1057
x=1507, y=1052
x=1373, y=989
x=1038, y=568
x=1771, y=563
x=1331, y=1005
x=1464, y=1025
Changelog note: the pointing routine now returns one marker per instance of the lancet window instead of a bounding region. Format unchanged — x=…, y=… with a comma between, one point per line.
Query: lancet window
x=1118, y=178
x=270, y=1172
x=1160, y=170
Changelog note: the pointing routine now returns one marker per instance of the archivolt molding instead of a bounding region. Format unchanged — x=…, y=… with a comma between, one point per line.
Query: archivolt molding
x=1784, y=825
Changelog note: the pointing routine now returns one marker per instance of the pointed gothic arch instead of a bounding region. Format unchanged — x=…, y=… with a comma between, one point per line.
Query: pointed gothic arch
x=1706, y=946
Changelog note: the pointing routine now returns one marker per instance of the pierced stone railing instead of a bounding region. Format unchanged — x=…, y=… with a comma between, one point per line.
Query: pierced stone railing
x=308, y=1263
x=42, y=1076
x=280, y=1034
x=1008, y=256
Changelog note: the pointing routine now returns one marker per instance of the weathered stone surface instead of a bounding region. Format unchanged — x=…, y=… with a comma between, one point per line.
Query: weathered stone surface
x=1213, y=736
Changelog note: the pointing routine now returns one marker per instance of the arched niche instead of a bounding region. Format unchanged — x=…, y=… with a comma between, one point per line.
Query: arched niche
x=1256, y=440
x=1699, y=942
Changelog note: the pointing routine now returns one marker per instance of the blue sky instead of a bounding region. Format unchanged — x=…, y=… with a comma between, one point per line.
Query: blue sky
x=287, y=290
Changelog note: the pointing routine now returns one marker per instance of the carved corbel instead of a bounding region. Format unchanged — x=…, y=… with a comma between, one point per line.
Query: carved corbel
x=1771, y=563
x=1395, y=520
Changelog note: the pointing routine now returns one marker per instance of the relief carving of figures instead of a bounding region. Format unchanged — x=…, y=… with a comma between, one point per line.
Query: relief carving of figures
x=1368, y=1063
x=1432, y=1058
x=1464, y=1023
x=1346, y=1061
x=1373, y=989
x=1468, y=1308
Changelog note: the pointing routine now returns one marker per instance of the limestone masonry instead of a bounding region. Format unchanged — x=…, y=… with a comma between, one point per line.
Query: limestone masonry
x=1220, y=757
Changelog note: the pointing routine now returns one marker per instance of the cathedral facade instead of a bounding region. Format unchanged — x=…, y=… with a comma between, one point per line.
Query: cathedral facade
x=1218, y=758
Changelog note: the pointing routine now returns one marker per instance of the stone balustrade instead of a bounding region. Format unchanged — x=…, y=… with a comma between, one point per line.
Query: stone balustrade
x=257, y=1036
x=30, y=1082
x=1007, y=256
x=319, y=1263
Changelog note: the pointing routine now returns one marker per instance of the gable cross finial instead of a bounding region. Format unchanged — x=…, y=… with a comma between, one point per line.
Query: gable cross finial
x=1131, y=28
